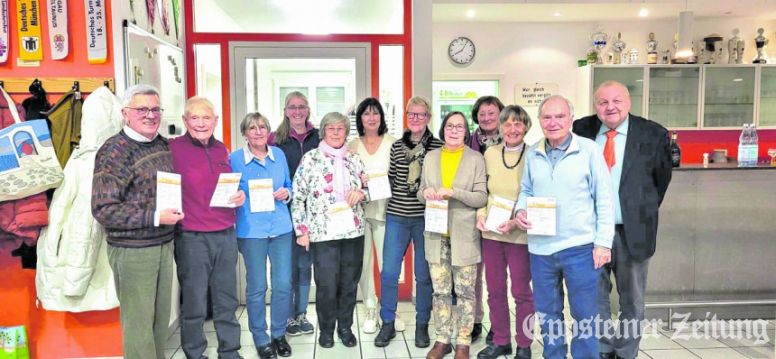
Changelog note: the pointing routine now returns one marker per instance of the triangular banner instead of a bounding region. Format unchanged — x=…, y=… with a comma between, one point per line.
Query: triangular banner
x=57, y=21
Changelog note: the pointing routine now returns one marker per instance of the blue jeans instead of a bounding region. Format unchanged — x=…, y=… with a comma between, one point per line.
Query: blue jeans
x=255, y=252
x=575, y=265
x=398, y=233
x=301, y=276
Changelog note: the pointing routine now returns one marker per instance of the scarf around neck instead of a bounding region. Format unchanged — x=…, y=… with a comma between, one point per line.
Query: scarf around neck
x=339, y=182
x=415, y=155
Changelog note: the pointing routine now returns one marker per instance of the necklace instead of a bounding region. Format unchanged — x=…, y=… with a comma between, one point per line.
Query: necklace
x=504, y=159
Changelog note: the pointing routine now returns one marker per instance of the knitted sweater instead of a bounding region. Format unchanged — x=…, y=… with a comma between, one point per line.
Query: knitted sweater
x=124, y=190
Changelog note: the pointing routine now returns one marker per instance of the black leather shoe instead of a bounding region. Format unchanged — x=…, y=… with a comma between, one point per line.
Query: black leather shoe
x=347, y=337
x=489, y=337
x=421, y=336
x=281, y=346
x=326, y=339
x=387, y=332
x=606, y=355
x=266, y=352
x=476, y=331
x=493, y=351
x=523, y=353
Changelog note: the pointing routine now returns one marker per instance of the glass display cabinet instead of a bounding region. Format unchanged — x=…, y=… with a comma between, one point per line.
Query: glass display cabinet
x=767, y=96
x=728, y=96
x=673, y=96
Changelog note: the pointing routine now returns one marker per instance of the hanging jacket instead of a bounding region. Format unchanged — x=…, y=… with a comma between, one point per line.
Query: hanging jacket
x=73, y=270
x=65, y=125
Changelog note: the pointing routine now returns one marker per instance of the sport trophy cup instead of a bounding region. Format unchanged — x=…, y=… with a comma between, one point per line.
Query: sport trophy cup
x=760, y=41
x=599, y=42
x=651, y=49
x=712, y=49
x=619, y=47
x=735, y=48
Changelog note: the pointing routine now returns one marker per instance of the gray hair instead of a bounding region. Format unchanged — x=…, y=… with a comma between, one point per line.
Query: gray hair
x=139, y=89
x=251, y=118
x=611, y=83
x=333, y=118
x=198, y=100
x=515, y=112
x=553, y=97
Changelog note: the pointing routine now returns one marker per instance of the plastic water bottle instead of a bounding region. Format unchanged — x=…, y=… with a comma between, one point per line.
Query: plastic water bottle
x=754, y=146
x=743, y=150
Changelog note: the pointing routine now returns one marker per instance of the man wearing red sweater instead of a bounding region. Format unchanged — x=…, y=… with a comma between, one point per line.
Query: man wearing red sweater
x=206, y=245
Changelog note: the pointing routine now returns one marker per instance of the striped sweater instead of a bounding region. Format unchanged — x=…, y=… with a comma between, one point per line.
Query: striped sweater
x=124, y=190
x=404, y=202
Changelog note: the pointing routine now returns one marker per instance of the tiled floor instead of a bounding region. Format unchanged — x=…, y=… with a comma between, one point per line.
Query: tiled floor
x=667, y=345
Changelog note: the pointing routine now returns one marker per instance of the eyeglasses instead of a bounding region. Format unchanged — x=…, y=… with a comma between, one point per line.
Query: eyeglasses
x=297, y=108
x=143, y=111
x=418, y=115
x=455, y=127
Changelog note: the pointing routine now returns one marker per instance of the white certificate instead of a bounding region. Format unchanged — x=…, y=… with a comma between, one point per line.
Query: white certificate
x=261, y=192
x=168, y=191
x=500, y=211
x=436, y=216
x=542, y=215
x=379, y=185
x=228, y=184
x=340, y=220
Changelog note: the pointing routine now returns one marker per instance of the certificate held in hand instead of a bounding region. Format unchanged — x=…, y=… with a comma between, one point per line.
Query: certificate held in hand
x=379, y=185
x=436, y=216
x=500, y=211
x=260, y=192
x=228, y=184
x=340, y=219
x=168, y=191
x=542, y=214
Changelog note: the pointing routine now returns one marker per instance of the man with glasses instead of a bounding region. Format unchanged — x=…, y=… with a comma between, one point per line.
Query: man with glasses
x=139, y=235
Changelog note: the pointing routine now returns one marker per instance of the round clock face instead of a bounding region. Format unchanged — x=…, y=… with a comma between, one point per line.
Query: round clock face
x=461, y=50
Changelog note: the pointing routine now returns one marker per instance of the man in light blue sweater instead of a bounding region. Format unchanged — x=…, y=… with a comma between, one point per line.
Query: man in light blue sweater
x=572, y=171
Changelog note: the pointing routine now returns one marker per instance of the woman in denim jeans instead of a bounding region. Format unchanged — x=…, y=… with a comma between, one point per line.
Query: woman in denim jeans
x=263, y=234
x=404, y=223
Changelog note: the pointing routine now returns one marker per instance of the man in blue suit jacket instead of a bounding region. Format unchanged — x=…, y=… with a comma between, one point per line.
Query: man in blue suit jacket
x=639, y=160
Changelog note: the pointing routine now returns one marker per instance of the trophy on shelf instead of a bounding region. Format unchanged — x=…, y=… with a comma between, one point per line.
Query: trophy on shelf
x=735, y=48
x=651, y=49
x=666, y=57
x=599, y=42
x=618, y=47
x=713, y=48
x=760, y=41
x=633, y=56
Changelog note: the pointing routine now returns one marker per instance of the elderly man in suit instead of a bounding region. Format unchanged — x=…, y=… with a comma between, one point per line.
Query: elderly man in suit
x=638, y=155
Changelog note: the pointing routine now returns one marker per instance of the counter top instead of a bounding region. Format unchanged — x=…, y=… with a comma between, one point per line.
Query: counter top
x=722, y=166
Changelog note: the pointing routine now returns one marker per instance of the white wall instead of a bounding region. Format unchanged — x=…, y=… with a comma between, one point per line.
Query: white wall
x=548, y=52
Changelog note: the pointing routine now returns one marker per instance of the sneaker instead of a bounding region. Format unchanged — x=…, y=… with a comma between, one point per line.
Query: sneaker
x=292, y=328
x=305, y=327
x=398, y=324
x=370, y=322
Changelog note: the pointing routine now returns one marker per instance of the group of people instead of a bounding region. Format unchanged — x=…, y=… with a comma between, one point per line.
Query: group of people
x=607, y=179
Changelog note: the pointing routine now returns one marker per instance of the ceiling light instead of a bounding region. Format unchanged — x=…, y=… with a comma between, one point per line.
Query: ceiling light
x=738, y=80
x=556, y=14
x=470, y=14
x=684, y=48
x=644, y=12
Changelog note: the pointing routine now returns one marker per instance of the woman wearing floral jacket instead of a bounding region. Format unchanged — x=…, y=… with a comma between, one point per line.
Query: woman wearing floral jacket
x=328, y=221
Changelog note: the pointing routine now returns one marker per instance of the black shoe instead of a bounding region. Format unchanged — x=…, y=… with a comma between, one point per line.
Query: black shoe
x=421, y=336
x=266, y=351
x=523, y=353
x=347, y=337
x=606, y=355
x=326, y=339
x=493, y=351
x=489, y=337
x=387, y=332
x=476, y=331
x=281, y=346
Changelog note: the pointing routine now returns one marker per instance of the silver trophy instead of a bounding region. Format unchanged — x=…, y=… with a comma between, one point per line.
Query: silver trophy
x=618, y=47
x=735, y=48
x=760, y=41
x=651, y=49
x=599, y=42
x=713, y=48
x=633, y=56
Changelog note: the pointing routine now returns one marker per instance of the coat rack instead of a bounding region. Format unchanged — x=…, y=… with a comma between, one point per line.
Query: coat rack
x=57, y=84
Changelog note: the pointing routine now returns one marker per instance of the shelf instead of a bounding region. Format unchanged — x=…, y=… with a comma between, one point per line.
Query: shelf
x=729, y=104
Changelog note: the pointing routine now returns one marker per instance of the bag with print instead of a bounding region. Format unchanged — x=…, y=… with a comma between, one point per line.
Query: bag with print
x=28, y=162
x=13, y=343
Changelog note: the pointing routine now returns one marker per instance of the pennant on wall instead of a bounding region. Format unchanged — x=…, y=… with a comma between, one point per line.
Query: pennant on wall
x=3, y=31
x=57, y=21
x=151, y=7
x=175, y=15
x=165, y=16
x=28, y=30
x=96, y=40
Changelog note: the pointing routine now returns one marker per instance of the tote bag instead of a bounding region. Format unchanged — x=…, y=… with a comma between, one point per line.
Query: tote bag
x=13, y=343
x=28, y=162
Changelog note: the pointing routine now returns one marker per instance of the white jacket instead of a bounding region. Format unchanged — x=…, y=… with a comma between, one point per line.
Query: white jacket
x=73, y=273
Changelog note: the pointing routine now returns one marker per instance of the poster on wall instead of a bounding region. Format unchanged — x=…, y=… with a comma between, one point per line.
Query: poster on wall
x=28, y=30
x=531, y=95
x=57, y=21
x=96, y=39
x=3, y=31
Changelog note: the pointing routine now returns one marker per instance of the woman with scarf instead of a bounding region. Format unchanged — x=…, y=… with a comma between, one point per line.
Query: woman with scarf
x=329, y=223
x=404, y=222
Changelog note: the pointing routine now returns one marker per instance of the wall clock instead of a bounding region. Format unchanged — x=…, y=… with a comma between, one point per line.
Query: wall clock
x=461, y=50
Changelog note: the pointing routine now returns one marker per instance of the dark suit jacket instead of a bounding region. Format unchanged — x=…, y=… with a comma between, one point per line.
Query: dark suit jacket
x=646, y=172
